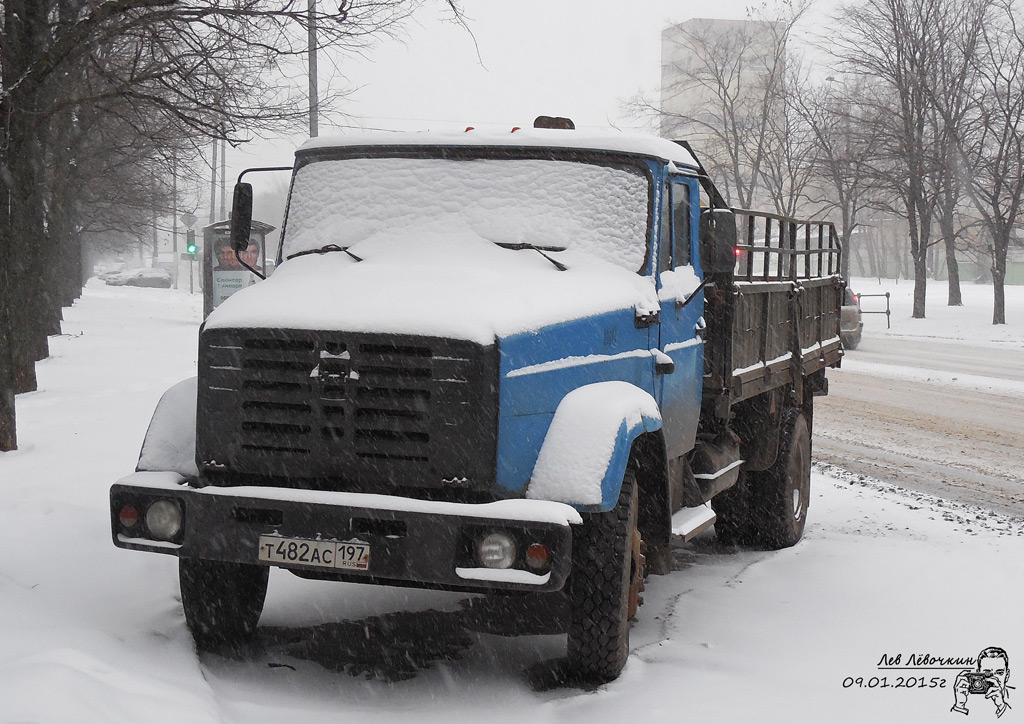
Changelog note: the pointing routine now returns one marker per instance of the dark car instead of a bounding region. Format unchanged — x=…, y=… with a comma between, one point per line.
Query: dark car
x=850, y=324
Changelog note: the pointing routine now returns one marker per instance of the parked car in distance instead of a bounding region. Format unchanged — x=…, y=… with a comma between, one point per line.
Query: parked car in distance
x=110, y=274
x=147, y=277
x=117, y=278
x=850, y=324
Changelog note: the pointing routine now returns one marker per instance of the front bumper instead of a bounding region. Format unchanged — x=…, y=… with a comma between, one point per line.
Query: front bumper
x=412, y=542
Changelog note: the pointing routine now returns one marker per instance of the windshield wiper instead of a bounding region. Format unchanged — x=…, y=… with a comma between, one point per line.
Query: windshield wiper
x=326, y=250
x=539, y=249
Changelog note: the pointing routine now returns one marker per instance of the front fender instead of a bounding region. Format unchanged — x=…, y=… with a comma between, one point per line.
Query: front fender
x=584, y=454
x=170, y=443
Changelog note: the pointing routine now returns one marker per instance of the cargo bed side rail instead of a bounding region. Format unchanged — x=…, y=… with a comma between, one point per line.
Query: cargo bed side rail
x=787, y=304
x=780, y=248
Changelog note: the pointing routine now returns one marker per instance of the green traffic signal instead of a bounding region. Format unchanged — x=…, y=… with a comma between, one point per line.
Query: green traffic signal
x=190, y=242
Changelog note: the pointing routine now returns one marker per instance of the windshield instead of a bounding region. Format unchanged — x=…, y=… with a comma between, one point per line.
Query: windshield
x=600, y=210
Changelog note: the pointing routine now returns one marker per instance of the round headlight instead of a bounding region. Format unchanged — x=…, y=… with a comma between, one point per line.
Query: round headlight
x=163, y=519
x=497, y=550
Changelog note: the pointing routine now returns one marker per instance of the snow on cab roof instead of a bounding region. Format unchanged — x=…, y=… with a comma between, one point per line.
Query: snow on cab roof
x=639, y=144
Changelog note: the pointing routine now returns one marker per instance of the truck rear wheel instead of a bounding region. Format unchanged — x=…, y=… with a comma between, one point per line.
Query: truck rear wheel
x=222, y=601
x=779, y=496
x=607, y=576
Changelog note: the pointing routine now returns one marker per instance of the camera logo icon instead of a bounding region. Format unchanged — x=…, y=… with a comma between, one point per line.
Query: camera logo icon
x=989, y=680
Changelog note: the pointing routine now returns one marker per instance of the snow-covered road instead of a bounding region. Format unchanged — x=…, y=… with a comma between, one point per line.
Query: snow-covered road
x=943, y=416
x=927, y=434
x=91, y=633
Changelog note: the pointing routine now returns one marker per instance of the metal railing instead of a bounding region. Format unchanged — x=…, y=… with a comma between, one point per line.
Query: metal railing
x=886, y=311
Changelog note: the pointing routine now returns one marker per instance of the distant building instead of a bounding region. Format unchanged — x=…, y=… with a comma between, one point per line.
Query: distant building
x=711, y=68
x=720, y=81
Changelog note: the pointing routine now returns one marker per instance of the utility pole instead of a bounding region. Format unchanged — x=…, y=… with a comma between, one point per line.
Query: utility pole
x=156, y=240
x=223, y=177
x=174, y=216
x=314, y=98
x=213, y=184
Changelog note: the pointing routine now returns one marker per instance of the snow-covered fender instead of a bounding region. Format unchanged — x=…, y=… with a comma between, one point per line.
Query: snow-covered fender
x=170, y=443
x=584, y=454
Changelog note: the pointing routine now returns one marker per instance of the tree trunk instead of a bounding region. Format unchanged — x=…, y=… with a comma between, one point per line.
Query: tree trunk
x=872, y=249
x=8, y=419
x=844, y=268
x=24, y=24
x=952, y=267
x=919, y=254
x=920, y=285
x=998, y=298
x=999, y=277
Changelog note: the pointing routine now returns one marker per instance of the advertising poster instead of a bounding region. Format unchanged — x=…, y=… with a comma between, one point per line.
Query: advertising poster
x=228, y=274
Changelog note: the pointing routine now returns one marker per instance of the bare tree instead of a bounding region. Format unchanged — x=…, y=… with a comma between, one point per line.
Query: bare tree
x=156, y=68
x=833, y=114
x=722, y=88
x=955, y=70
x=789, y=161
x=993, y=143
x=891, y=42
x=918, y=56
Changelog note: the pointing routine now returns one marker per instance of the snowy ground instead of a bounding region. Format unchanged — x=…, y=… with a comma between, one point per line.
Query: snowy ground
x=91, y=633
x=970, y=323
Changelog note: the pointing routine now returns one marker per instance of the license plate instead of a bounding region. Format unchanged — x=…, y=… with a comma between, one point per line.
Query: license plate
x=352, y=555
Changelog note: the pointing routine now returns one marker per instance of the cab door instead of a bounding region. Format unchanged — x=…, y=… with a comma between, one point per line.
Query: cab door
x=680, y=358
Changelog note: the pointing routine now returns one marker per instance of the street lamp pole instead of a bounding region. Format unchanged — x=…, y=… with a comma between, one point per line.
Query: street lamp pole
x=174, y=216
x=314, y=100
x=213, y=183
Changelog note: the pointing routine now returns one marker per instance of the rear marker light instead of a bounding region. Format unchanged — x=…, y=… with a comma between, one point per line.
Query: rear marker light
x=538, y=556
x=128, y=516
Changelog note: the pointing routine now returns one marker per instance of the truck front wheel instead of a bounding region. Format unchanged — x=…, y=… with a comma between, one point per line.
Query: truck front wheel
x=607, y=573
x=779, y=496
x=222, y=601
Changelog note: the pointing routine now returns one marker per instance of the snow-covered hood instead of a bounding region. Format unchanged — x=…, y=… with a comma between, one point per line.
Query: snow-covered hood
x=455, y=285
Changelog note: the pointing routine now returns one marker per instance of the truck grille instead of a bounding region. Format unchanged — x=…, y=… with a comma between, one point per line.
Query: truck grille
x=346, y=411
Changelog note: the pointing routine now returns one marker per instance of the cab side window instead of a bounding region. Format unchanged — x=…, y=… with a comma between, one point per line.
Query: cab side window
x=680, y=224
x=665, y=248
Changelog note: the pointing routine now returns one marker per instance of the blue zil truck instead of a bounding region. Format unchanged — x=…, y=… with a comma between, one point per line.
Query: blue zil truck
x=509, y=364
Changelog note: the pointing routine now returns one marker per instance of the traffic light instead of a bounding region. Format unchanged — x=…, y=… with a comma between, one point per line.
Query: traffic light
x=190, y=242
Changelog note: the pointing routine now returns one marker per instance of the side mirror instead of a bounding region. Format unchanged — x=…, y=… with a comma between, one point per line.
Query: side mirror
x=241, y=216
x=717, y=237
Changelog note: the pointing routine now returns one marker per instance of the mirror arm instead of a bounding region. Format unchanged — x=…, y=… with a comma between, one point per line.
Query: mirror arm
x=257, y=272
x=680, y=303
x=264, y=168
